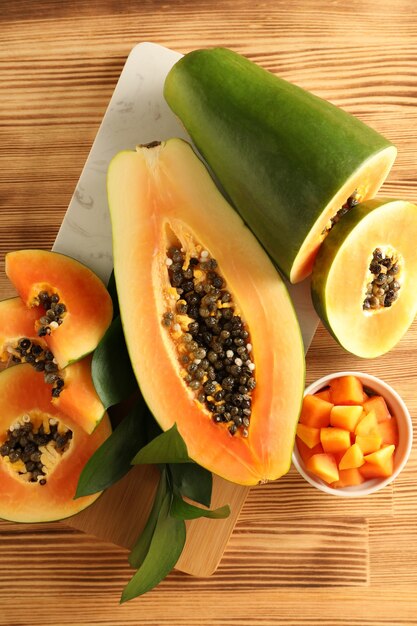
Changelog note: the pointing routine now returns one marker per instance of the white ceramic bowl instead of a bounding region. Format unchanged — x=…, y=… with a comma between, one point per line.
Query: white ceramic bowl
x=402, y=452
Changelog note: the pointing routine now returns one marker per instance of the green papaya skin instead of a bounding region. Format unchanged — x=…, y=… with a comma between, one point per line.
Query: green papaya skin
x=280, y=153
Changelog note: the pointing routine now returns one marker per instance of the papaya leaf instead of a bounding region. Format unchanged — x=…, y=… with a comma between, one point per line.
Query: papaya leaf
x=192, y=481
x=111, y=369
x=167, y=543
x=113, y=458
x=169, y=447
x=183, y=510
x=112, y=289
x=141, y=547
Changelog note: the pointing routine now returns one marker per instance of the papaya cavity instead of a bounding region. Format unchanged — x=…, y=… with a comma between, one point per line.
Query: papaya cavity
x=34, y=445
x=212, y=341
x=383, y=280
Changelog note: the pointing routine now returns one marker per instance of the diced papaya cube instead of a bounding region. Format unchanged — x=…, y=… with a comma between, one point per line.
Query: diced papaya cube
x=334, y=439
x=349, y=478
x=389, y=431
x=379, y=463
x=353, y=457
x=380, y=456
x=315, y=412
x=346, y=390
x=324, y=394
x=305, y=452
x=310, y=436
x=369, y=443
x=324, y=466
x=367, y=424
x=378, y=405
x=345, y=416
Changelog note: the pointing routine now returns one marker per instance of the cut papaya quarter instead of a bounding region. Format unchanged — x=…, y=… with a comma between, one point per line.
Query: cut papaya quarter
x=76, y=307
x=364, y=284
x=42, y=451
x=291, y=162
x=211, y=331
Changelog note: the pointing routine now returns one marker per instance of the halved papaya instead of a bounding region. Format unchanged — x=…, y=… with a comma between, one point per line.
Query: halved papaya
x=291, y=162
x=364, y=283
x=42, y=451
x=76, y=307
x=210, y=328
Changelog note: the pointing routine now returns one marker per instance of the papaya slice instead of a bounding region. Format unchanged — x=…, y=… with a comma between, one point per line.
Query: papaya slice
x=228, y=368
x=364, y=282
x=324, y=466
x=315, y=412
x=72, y=388
x=76, y=307
x=42, y=451
x=291, y=162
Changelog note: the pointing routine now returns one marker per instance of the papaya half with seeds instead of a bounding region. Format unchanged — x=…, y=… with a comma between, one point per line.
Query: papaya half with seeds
x=76, y=307
x=211, y=331
x=364, y=282
x=290, y=162
x=42, y=451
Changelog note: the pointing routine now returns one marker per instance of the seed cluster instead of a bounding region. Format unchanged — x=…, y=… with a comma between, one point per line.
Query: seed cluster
x=34, y=449
x=383, y=288
x=215, y=349
x=54, y=312
x=352, y=201
x=27, y=351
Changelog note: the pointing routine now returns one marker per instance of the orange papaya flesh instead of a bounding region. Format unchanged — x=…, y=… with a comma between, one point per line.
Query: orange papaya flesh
x=348, y=478
x=324, y=466
x=78, y=397
x=315, y=412
x=162, y=197
x=388, y=429
x=353, y=457
x=79, y=306
x=367, y=424
x=41, y=486
x=378, y=405
x=369, y=443
x=346, y=390
x=334, y=439
x=310, y=436
x=345, y=417
x=369, y=308
x=248, y=123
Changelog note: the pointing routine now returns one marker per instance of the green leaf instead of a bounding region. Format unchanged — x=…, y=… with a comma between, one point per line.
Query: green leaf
x=164, y=551
x=111, y=369
x=113, y=458
x=183, y=510
x=192, y=481
x=112, y=289
x=141, y=547
x=169, y=447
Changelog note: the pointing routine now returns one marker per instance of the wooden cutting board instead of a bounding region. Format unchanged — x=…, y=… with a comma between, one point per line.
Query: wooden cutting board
x=137, y=113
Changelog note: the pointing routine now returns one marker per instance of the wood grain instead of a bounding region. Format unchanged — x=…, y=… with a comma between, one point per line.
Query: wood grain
x=297, y=557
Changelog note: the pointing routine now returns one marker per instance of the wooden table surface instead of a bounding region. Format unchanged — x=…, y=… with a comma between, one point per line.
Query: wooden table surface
x=297, y=556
